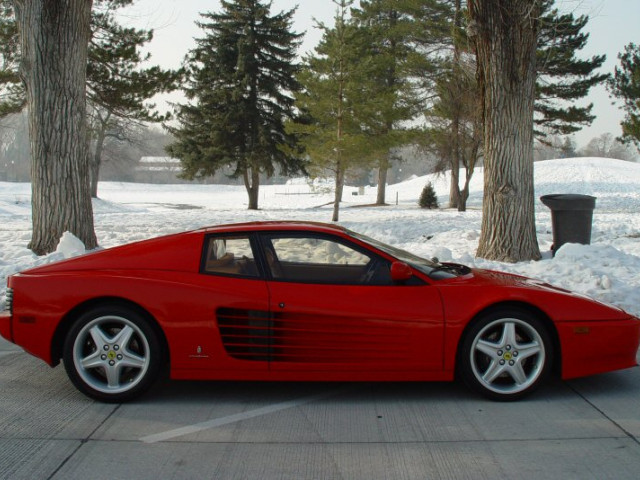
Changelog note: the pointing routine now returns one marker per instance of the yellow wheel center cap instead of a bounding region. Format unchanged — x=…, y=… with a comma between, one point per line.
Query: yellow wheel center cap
x=111, y=355
x=507, y=356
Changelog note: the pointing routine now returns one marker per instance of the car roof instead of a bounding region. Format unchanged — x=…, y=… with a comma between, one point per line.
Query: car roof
x=275, y=225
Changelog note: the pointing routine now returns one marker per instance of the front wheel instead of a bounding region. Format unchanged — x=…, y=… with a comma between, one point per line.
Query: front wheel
x=112, y=354
x=506, y=355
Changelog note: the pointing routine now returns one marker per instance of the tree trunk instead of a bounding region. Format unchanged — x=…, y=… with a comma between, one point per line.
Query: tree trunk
x=102, y=124
x=470, y=166
x=338, y=193
x=96, y=160
x=383, y=168
x=505, y=40
x=252, y=184
x=54, y=38
x=454, y=187
x=464, y=194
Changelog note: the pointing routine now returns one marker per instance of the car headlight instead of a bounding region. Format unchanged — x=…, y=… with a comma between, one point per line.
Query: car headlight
x=9, y=301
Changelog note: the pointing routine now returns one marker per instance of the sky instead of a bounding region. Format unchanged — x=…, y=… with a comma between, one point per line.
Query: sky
x=613, y=24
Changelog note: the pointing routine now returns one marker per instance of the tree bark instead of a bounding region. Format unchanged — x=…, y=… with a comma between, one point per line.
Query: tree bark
x=96, y=161
x=102, y=125
x=338, y=193
x=252, y=184
x=54, y=38
x=383, y=169
x=505, y=40
x=454, y=187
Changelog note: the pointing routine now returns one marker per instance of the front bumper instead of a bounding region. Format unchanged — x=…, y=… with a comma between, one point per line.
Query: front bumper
x=5, y=326
x=589, y=348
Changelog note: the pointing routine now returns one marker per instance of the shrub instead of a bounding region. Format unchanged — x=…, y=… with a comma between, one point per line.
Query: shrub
x=428, y=198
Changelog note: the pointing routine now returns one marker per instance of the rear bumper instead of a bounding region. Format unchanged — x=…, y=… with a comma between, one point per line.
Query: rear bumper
x=5, y=326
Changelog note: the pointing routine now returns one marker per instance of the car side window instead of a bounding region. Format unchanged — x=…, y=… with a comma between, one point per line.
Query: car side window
x=311, y=259
x=229, y=256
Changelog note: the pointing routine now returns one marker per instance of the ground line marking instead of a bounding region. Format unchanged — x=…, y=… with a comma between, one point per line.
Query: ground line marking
x=10, y=352
x=237, y=417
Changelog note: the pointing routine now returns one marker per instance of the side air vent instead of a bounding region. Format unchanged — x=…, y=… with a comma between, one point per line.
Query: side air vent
x=245, y=333
x=9, y=300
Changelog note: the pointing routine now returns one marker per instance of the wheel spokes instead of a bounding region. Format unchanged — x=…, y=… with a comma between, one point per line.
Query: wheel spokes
x=130, y=359
x=528, y=350
x=92, y=361
x=488, y=348
x=111, y=354
x=493, y=372
x=507, y=356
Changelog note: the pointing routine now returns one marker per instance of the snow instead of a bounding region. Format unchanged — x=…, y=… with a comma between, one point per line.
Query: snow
x=608, y=269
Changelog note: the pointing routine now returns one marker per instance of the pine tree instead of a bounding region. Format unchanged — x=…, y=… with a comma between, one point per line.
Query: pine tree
x=625, y=85
x=562, y=78
x=118, y=87
x=402, y=34
x=241, y=76
x=12, y=96
x=428, y=197
x=335, y=102
x=456, y=115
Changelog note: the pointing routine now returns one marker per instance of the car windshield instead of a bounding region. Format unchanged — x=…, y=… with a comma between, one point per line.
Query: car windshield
x=435, y=270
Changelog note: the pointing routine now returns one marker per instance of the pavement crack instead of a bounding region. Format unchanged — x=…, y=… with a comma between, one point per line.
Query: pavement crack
x=602, y=412
x=82, y=442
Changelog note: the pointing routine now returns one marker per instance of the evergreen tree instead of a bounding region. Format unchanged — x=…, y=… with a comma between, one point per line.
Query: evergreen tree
x=568, y=149
x=456, y=128
x=625, y=85
x=12, y=97
x=118, y=88
x=335, y=102
x=403, y=33
x=428, y=197
x=456, y=114
x=562, y=78
x=241, y=76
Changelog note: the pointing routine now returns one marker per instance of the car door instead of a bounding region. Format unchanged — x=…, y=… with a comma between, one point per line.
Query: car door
x=336, y=310
x=237, y=300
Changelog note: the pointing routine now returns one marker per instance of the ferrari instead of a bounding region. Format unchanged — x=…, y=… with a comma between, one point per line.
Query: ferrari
x=301, y=301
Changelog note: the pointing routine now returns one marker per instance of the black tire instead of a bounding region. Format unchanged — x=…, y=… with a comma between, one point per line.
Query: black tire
x=506, y=354
x=112, y=354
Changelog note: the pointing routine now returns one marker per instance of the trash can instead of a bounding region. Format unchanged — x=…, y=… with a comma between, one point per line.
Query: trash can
x=571, y=218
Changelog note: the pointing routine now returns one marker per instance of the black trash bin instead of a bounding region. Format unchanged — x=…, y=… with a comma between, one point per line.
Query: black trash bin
x=571, y=218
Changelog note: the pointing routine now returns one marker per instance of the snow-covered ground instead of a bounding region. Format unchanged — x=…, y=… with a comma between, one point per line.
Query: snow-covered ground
x=608, y=269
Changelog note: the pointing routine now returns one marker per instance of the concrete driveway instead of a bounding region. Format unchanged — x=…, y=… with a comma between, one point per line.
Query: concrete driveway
x=587, y=428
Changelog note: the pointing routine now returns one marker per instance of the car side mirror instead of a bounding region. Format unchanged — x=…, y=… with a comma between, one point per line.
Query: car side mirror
x=400, y=272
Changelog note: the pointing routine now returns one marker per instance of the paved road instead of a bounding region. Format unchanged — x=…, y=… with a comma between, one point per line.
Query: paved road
x=588, y=428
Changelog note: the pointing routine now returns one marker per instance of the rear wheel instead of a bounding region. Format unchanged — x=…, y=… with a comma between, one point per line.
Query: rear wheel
x=112, y=354
x=506, y=355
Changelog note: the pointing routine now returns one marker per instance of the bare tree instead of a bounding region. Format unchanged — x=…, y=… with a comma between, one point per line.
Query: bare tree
x=505, y=34
x=54, y=37
x=607, y=146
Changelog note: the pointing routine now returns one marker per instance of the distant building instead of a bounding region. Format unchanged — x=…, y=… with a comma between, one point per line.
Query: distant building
x=158, y=169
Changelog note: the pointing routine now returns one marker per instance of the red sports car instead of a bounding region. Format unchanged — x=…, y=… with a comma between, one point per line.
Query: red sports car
x=303, y=301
